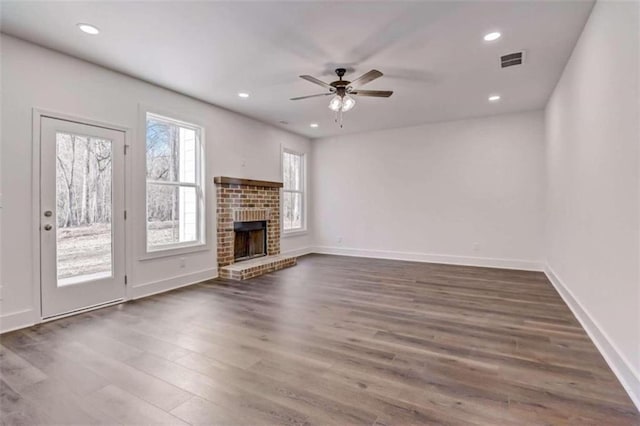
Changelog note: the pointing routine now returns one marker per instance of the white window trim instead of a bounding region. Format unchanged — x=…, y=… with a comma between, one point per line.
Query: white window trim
x=178, y=248
x=302, y=230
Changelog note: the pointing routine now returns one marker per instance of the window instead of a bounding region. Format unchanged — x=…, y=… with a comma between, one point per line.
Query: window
x=293, y=191
x=175, y=198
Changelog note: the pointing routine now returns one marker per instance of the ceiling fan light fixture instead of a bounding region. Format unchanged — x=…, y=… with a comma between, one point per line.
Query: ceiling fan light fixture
x=335, y=104
x=348, y=103
x=341, y=103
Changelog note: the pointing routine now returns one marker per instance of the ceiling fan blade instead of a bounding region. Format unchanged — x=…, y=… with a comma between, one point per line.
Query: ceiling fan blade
x=373, y=93
x=366, y=78
x=316, y=81
x=310, y=96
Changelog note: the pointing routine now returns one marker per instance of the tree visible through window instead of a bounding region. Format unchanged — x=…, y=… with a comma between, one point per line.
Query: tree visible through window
x=174, y=183
x=293, y=191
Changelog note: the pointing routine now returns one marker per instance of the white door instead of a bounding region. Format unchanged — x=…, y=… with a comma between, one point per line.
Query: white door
x=82, y=216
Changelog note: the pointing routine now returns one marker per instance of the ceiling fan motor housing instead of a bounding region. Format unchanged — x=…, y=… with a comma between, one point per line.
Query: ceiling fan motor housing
x=340, y=85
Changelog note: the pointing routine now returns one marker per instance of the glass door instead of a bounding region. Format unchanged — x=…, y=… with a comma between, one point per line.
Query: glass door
x=82, y=216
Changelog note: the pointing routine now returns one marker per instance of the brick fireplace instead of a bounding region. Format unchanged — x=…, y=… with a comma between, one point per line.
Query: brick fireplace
x=245, y=208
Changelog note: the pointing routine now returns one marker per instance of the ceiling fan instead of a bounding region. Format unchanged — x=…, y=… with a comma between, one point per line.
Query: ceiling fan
x=344, y=90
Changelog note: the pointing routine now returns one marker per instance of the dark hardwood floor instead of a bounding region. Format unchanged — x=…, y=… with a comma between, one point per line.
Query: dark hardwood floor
x=335, y=340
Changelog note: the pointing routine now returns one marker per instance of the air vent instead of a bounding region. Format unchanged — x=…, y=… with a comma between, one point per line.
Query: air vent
x=512, y=59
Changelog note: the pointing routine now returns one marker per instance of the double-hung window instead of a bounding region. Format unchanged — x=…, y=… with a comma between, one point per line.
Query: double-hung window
x=175, y=196
x=293, y=193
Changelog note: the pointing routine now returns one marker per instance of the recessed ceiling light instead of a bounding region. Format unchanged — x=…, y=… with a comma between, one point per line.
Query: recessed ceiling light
x=314, y=125
x=492, y=36
x=494, y=98
x=89, y=29
x=243, y=95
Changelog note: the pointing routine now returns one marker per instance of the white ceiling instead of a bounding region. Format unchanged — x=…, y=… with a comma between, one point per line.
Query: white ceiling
x=432, y=53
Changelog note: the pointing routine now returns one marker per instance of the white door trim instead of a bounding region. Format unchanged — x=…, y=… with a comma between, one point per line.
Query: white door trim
x=37, y=114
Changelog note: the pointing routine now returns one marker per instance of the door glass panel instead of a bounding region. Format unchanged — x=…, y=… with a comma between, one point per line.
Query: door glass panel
x=83, y=208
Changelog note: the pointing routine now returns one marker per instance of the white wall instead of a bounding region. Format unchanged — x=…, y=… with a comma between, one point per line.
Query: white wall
x=592, y=161
x=463, y=192
x=36, y=77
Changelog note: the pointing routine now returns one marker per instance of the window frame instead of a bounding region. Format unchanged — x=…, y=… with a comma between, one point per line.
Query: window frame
x=303, y=170
x=200, y=243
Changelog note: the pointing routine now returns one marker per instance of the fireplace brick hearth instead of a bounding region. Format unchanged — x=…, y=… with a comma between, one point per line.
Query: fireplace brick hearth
x=244, y=200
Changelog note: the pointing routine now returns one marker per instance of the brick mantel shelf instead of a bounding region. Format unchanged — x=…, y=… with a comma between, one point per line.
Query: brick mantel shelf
x=246, y=182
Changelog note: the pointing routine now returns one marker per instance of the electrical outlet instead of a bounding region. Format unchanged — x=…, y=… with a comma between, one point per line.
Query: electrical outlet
x=339, y=240
x=476, y=246
x=183, y=262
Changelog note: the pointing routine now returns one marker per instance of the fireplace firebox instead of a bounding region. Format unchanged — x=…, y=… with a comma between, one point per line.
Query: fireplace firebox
x=250, y=240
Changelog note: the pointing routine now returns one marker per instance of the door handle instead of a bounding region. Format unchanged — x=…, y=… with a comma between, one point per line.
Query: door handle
x=48, y=227
x=48, y=213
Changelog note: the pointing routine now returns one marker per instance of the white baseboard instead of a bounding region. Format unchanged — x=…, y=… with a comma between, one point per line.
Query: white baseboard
x=149, y=289
x=525, y=265
x=621, y=367
x=17, y=320
x=299, y=251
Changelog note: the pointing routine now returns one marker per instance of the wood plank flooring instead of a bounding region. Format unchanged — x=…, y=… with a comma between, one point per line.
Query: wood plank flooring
x=335, y=340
